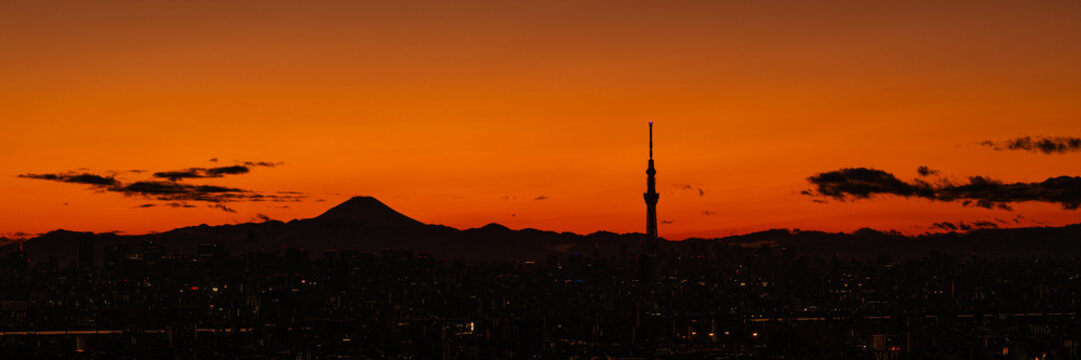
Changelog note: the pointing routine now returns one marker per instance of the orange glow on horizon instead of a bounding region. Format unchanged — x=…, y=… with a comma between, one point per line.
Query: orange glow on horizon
x=529, y=114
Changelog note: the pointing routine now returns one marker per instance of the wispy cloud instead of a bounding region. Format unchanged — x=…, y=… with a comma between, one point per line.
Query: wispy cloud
x=174, y=193
x=81, y=178
x=686, y=187
x=1038, y=144
x=221, y=207
x=964, y=226
x=195, y=173
x=263, y=163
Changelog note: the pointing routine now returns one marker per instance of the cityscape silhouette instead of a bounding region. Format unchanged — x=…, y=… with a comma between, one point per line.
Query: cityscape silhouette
x=459, y=180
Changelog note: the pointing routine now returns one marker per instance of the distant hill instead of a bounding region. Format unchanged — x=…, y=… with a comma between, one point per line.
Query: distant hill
x=366, y=210
x=366, y=224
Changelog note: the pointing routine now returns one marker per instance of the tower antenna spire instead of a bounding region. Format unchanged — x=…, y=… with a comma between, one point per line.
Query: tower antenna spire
x=651, y=140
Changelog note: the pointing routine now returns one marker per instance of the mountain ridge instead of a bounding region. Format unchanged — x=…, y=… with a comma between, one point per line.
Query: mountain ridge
x=366, y=224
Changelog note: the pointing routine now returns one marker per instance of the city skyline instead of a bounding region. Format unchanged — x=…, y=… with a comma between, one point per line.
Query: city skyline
x=480, y=113
x=253, y=179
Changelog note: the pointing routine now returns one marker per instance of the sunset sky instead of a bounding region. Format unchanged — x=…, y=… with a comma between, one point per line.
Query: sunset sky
x=531, y=113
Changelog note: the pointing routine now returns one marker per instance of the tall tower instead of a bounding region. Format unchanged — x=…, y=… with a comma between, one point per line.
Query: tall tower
x=651, y=197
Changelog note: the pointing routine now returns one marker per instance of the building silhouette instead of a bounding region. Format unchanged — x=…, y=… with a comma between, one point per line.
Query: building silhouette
x=86, y=252
x=651, y=197
x=648, y=258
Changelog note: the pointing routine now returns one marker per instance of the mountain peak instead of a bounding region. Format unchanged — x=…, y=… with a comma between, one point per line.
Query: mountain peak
x=494, y=226
x=367, y=210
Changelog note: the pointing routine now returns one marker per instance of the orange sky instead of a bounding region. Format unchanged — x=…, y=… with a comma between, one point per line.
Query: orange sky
x=463, y=113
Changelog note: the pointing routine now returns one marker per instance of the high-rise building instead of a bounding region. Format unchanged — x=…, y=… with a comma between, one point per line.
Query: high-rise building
x=86, y=252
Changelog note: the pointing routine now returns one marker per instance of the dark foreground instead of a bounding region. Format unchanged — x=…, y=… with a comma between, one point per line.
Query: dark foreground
x=734, y=303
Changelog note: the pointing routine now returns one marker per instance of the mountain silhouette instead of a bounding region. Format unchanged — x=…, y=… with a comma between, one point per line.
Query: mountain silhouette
x=366, y=210
x=365, y=224
x=361, y=223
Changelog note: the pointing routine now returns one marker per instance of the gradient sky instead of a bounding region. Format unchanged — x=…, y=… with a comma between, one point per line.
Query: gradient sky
x=532, y=113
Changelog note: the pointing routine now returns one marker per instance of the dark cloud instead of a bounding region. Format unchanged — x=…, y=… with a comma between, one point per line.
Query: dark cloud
x=227, y=170
x=989, y=193
x=172, y=191
x=263, y=217
x=83, y=178
x=213, y=159
x=707, y=212
x=542, y=197
x=177, y=192
x=667, y=221
x=926, y=171
x=691, y=188
x=167, y=188
x=1039, y=144
x=221, y=207
x=172, y=205
x=263, y=163
x=195, y=173
x=963, y=226
x=862, y=183
x=944, y=226
x=181, y=174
